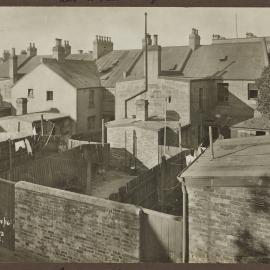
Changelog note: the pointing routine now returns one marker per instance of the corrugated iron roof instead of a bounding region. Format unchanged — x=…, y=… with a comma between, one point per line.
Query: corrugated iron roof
x=80, y=74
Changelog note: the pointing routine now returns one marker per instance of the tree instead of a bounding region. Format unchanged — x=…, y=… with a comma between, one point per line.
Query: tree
x=263, y=84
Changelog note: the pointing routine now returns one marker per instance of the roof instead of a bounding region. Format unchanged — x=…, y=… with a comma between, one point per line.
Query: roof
x=239, y=157
x=80, y=74
x=4, y=136
x=262, y=123
x=81, y=56
x=112, y=65
x=227, y=61
x=150, y=125
x=4, y=67
x=33, y=117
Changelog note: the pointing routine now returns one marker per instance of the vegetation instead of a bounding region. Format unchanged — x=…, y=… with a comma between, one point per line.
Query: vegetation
x=263, y=84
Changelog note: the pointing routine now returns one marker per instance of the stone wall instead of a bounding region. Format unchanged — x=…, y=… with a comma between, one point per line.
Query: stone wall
x=147, y=143
x=61, y=226
x=229, y=224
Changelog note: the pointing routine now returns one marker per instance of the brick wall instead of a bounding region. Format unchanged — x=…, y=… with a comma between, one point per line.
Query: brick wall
x=61, y=226
x=229, y=224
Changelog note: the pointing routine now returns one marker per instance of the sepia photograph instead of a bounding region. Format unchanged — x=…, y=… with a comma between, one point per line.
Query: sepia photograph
x=134, y=135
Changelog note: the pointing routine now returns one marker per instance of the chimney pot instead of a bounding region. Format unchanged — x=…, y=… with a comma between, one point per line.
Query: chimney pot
x=155, y=40
x=13, y=52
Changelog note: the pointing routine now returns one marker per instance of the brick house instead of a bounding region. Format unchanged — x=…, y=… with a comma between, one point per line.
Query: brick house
x=66, y=86
x=227, y=208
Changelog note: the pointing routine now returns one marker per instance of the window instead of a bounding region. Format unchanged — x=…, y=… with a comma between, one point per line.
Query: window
x=91, y=99
x=252, y=91
x=30, y=93
x=260, y=133
x=201, y=100
x=91, y=122
x=49, y=95
x=223, y=93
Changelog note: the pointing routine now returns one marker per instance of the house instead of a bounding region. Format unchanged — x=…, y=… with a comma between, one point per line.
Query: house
x=66, y=86
x=227, y=199
x=256, y=126
x=207, y=84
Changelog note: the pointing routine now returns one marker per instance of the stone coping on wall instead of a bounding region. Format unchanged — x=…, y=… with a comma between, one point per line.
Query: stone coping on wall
x=67, y=195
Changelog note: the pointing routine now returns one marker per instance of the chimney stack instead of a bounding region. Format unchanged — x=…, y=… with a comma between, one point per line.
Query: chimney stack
x=80, y=51
x=101, y=46
x=194, y=39
x=142, y=109
x=32, y=50
x=13, y=65
x=21, y=106
x=154, y=59
x=59, y=51
x=67, y=48
x=6, y=55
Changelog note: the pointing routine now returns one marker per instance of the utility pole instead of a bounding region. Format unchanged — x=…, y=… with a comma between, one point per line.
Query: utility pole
x=146, y=52
x=236, y=30
x=165, y=127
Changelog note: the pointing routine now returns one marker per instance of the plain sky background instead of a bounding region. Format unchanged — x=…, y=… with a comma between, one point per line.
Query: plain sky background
x=79, y=25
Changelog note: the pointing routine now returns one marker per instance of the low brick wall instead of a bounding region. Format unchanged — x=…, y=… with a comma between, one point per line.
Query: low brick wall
x=62, y=226
x=229, y=224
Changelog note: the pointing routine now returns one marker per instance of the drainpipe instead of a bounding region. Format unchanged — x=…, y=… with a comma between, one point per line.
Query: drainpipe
x=184, y=227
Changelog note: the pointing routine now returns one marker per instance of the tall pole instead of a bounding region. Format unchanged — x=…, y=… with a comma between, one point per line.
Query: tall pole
x=180, y=136
x=165, y=127
x=146, y=52
x=236, y=30
x=211, y=141
x=102, y=132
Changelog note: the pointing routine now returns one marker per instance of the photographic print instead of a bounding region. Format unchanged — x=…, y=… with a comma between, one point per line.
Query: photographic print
x=134, y=135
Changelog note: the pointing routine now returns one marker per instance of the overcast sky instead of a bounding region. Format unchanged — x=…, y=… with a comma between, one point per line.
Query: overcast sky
x=21, y=25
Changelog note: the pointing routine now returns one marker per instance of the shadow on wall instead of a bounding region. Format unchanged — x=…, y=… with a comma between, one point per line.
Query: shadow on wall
x=250, y=248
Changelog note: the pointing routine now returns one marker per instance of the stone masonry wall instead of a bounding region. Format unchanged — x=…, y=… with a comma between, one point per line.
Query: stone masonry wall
x=61, y=226
x=229, y=224
x=147, y=143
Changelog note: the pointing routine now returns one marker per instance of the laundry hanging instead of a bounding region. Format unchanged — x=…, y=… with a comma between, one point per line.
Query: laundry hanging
x=19, y=144
x=28, y=147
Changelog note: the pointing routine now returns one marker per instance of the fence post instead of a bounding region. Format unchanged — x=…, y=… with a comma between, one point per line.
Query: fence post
x=88, y=171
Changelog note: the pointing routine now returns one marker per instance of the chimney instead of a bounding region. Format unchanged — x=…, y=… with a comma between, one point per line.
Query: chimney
x=154, y=59
x=194, y=39
x=32, y=50
x=21, y=106
x=13, y=66
x=142, y=109
x=250, y=35
x=101, y=46
x=59, y=50
x=67, y=48
x=80, y=51
x=6, y=55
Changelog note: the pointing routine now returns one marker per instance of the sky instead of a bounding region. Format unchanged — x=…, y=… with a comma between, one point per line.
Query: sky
x=125, y=25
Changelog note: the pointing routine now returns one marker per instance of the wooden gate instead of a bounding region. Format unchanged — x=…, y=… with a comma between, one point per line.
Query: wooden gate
x=161, y=237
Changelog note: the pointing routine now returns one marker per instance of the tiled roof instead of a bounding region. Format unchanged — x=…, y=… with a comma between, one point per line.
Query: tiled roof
x=240, y=157
x=227, y=61
x=80, y=74
x=262, y=123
